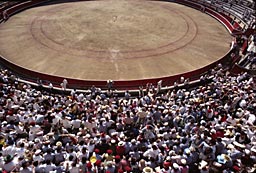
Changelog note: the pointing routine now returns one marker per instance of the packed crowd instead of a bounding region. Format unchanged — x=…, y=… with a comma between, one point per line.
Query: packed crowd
x=250, y=55
x=210, y=128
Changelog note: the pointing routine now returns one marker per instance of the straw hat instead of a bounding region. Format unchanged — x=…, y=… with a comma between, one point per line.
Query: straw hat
x=148, y=170
x=229, y=133
x=58, y=144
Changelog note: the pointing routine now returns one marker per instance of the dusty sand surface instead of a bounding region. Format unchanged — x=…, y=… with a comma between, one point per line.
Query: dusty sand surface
x=119, y=40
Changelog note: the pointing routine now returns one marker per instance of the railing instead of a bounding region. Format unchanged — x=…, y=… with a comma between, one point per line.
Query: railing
x=236, y=19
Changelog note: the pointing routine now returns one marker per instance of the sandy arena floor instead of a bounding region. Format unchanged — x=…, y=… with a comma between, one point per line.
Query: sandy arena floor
x=119, y=40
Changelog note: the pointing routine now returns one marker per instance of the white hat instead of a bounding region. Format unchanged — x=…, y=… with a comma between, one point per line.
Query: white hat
x=121, y=143
x=175, y=166
x=213, y=131
x=133, y=141
x=113, y=141
x=166, y=124
x=87, y=135
x=202, y=164
x=102, y=119
x=247, y=152
x=171, y=153
x=37, y=140
x=253, y=149
x=114, y=133
x=158, y=169
x=230, y=127
x=30, y=143
x=183, y=161
x=38, y=152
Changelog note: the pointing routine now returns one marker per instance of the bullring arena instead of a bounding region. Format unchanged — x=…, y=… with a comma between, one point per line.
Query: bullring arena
x=183, y=98
x=119, y=40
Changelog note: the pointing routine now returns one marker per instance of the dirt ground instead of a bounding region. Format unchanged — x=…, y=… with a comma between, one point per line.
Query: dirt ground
x=118, y=40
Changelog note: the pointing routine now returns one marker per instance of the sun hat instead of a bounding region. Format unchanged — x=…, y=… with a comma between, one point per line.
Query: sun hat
x=58, y=144
x=147, y=170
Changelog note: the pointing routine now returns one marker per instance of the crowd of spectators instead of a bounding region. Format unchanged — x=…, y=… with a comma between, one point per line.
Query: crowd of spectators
x=210, y=128
x=250, y=56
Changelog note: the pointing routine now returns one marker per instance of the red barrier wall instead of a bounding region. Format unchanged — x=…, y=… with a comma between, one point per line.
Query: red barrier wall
x=237, y=69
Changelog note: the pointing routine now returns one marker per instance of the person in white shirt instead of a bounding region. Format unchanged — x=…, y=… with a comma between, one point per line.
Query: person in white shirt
x=9, y=163
x=152, y=152
x=76, y=123
x=37, y=157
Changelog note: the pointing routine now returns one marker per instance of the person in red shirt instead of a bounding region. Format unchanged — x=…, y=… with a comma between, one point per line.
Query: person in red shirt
x=220, y=132
x=120, y=148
